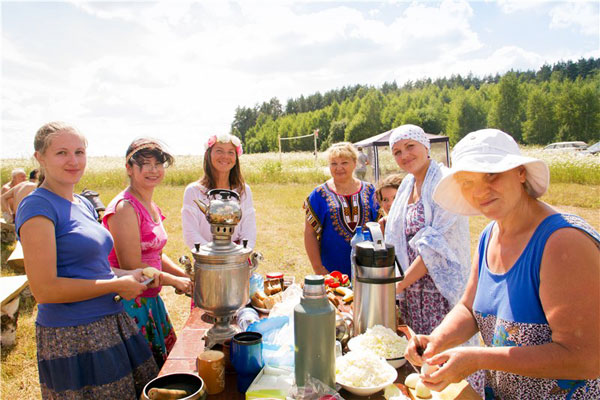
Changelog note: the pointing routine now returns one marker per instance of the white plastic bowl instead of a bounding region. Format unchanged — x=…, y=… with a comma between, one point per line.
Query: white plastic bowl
x=396, y=362
x=367, y=391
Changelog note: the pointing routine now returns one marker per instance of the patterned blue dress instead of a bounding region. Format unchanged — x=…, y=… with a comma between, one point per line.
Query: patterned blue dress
x=334, y=218
x=509, y=312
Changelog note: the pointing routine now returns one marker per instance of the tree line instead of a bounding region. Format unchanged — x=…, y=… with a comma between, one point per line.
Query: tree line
x=556, y=103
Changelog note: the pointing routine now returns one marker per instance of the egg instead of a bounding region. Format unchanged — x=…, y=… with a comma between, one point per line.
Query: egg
x=427, y=369
x=423, y=391
x=411, y=380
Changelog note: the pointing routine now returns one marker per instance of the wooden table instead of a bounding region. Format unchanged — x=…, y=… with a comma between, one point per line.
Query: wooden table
x=190, y=343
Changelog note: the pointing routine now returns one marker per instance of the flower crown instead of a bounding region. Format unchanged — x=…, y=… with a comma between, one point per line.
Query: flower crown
x=225, y=138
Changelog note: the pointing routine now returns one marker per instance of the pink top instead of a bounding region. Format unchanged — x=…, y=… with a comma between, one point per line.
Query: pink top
x=153, y=236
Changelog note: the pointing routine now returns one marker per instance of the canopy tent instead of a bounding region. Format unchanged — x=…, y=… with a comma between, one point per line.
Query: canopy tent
x=382, y=140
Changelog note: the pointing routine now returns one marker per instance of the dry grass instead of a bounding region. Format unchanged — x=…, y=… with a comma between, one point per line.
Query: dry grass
x=280, y=239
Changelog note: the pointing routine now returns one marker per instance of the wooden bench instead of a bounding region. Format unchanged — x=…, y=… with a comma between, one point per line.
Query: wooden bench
x=10, y=289
x=15, y=260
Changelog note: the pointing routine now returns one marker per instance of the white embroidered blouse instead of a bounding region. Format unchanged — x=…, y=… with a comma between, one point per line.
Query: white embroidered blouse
x=196, y=228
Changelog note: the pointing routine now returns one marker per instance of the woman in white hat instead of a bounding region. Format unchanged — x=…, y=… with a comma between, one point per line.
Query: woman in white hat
x=432, y=244
x=534, y=288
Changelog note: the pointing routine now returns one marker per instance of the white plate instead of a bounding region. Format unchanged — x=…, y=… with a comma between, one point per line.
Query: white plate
x=261, y=310
x=367, y=391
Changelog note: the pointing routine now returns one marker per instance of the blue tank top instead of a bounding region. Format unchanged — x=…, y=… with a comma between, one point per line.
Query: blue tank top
x=509, y=312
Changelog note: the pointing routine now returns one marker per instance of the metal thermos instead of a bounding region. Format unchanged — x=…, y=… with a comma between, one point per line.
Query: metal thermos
x=375, y=283
x=314, y=334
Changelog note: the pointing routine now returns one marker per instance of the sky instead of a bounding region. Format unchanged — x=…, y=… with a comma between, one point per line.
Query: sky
x=177, y=70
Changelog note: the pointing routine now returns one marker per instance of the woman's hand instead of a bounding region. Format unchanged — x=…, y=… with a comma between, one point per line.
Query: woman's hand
x=454, y=365
x=420, y=348
x=382, y=221
x=400, y=287
x=128, y=287
x=182, y=284
x=320, y=270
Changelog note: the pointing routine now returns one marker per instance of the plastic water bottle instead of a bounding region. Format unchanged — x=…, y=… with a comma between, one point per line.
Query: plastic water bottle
x=314, y=334
x=357, y=238
x=257, y=283
x=367, y=235
x=245, y=317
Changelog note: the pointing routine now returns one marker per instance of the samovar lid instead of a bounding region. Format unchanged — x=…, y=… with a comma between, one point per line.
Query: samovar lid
x=214, y=253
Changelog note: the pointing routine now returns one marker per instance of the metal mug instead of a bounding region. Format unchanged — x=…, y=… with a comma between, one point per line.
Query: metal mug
x=246, y=357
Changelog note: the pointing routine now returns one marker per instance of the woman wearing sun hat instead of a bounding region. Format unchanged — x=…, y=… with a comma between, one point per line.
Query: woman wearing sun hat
x=534, y=288
x=432, y=244
x=221, y=171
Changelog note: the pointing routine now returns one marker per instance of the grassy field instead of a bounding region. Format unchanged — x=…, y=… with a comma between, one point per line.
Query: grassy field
x=279, y=188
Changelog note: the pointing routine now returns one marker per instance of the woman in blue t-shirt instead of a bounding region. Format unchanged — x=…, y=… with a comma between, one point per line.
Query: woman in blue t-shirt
x=533, y=292
x=87, y=346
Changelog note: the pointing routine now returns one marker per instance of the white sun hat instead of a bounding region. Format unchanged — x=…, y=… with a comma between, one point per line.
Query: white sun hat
x=487, y=151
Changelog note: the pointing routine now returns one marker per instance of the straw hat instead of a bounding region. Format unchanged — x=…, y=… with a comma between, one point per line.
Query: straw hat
x=487, y=151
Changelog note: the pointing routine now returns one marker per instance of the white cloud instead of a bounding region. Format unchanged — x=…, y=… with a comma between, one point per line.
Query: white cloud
x=511, y=6
x=581, y=15
x=177, y=70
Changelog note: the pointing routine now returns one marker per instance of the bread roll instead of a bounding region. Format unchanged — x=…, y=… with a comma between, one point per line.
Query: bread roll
x=269, y=302
x=256, y=302
x=260, y=295
x=150, y=272
x=272, y=287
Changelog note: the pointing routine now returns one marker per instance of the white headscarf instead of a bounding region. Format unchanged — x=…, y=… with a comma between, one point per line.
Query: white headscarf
x=408, y=131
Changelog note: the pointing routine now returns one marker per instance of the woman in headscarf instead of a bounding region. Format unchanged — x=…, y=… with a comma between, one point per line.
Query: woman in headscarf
x=533, y=292
x=334, y=210
x=432, y=244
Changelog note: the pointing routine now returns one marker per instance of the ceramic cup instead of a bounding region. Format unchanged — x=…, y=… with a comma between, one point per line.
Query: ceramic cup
x=225, y=347
x=246, y=357
x=211, y=368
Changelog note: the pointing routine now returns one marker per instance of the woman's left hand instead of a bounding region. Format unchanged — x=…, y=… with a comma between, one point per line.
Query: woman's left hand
x=455, y=365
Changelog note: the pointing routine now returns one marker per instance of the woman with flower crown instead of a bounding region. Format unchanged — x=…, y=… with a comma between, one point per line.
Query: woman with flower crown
x=221, y=171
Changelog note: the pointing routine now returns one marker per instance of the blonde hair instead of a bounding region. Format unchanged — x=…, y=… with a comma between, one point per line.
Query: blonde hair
x=392, y=181
x=44, y=135
x=342, y=149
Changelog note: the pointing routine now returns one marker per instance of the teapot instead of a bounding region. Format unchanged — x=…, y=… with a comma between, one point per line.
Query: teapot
x=223, y=207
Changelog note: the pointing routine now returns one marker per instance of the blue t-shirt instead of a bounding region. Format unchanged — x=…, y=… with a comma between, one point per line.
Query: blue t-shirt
x=82, y=248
